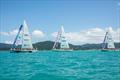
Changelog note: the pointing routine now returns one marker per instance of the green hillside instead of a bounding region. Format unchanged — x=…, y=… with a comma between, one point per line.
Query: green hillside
x=47, y=45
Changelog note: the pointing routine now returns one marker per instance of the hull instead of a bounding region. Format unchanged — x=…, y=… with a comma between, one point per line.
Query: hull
x=106, y=50
x=62, y=50
x=22, y=51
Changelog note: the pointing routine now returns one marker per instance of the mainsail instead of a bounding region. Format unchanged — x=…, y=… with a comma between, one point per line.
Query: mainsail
x=64, y=44
x=61, y=39
x=26, y=40
x=108, y=41
x=23, y=36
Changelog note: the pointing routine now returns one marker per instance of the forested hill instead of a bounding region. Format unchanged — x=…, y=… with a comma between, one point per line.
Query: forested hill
x=48, y=45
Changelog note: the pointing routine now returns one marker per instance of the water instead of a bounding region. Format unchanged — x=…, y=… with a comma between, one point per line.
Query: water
x=49, y=65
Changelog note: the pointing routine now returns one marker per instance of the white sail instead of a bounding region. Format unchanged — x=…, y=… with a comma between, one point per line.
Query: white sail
x=26, y=40
x=63, y=41
x=56, y=41
x=108, y=41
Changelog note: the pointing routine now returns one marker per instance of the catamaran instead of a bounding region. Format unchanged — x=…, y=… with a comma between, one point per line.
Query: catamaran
x=22, y=42
x=64, y=46
x=108, y=43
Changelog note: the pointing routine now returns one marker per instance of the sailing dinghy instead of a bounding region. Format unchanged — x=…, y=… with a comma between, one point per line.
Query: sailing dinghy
x=61, y=42
x=22, y=42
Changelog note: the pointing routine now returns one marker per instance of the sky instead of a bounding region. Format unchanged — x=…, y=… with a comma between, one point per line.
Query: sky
x=84, y=21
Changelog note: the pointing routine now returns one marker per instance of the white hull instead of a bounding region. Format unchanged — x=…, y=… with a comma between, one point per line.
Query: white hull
x=63, y=50
x=18, y=51
x=106, y=50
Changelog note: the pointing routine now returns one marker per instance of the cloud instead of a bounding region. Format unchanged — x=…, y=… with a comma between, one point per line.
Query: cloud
x=4, y=33
x=38, y=34
x=54, y=34
x=93, y=35
x=13, y=32
x=35, y=33
x=8, y=42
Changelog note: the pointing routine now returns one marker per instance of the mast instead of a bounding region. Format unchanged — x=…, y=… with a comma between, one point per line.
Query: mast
x=104, y=42
x=57, y=39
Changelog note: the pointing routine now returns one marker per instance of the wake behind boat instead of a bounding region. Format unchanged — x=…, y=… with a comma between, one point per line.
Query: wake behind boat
x=61, y=42
x=22, y=42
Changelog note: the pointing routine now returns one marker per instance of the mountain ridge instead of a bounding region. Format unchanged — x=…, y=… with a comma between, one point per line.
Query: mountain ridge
x=47, y=45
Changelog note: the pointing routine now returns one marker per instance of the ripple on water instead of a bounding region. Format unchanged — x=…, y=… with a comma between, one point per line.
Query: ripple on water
x=48, y=65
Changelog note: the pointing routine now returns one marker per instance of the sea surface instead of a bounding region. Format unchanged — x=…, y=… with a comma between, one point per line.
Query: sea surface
x=50, y=65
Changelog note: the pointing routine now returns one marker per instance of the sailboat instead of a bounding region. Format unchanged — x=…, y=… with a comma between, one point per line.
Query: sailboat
x=108, y=43
x=61, y=42
x=22, y=42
